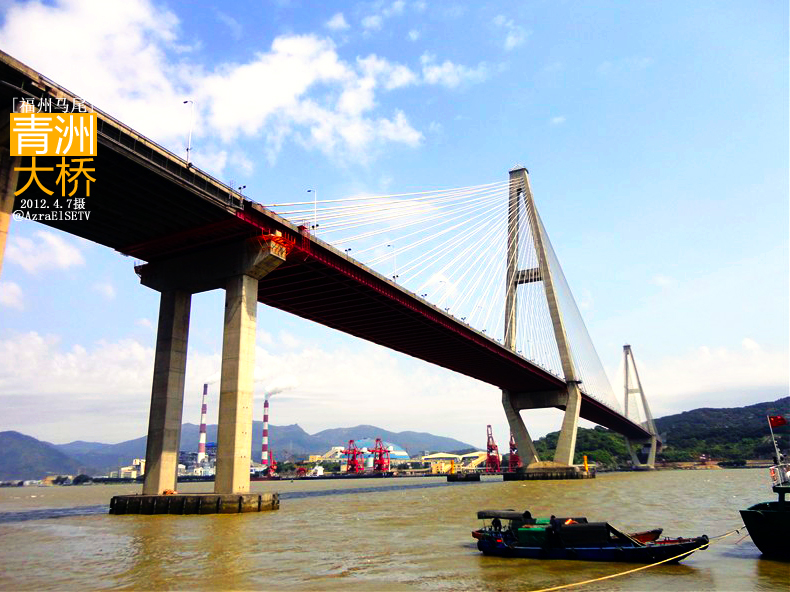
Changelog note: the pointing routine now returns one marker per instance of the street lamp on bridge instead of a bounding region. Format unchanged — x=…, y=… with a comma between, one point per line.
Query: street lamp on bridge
x=191, y=124
x=315, y=209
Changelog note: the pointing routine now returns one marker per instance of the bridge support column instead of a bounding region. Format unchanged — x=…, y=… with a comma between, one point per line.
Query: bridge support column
x=651, y=456
x=167, y=392
x=234, y=433
x=634, y=446
x=236, y=267
x=526, y=448
x=566, y=444
x=8, y=181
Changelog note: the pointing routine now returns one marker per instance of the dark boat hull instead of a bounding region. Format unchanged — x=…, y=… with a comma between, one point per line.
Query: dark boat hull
x=768, y=526
x=650, y=553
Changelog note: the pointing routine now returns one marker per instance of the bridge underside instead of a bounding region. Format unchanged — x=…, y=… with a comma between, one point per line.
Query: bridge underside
x=148, y=204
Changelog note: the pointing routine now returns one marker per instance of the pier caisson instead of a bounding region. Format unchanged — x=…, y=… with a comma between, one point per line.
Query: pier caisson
x=194, y=503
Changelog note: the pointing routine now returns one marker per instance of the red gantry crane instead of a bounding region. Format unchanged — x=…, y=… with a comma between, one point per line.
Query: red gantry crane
x=381, y=457
x=356, y=458
x=492, y=459
x=514, y=461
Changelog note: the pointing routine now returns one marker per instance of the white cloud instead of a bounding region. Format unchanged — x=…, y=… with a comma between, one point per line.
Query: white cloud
x=560, y=119
x=80, y=386
x=297, y=82
x=337, y=23
x=144, y=323
x=663, y=281
x=299, y=63
x=449, y=74
x=131, y=71
x=106, y=289
x=232, y=24
x=11, y=295
x=414, y=35
x=50, y=251
x=395, y=8
x=514, y=34
x=372, y=22
x=750, y=344
x=694, y=378
x=288, y=340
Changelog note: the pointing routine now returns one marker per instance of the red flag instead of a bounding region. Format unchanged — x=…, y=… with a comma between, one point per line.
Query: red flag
x=776, y=420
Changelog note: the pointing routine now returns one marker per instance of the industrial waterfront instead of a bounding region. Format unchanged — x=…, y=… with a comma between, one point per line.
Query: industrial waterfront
x=377, y=534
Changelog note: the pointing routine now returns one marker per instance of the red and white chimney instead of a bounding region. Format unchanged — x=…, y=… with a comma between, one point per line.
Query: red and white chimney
x=265, y=443
x=201, y=455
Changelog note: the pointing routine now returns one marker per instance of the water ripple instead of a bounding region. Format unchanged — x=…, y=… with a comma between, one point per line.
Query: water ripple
x=54, y=513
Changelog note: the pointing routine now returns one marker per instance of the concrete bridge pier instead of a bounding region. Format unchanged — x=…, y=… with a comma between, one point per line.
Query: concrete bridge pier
x=566, y=444
x=236, y=268
x=234, y=432
x=633, y=446
x=167, y=392
x=524, y=443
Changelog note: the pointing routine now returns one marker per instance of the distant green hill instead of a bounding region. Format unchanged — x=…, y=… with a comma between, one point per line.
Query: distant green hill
x=27, y=458
x=738, y=433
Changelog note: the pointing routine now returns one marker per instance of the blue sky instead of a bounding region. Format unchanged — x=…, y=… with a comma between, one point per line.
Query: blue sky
x=656, y=135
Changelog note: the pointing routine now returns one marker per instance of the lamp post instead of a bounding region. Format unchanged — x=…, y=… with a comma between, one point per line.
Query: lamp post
x=394, y=262
x=315, y=209
x=191, y=124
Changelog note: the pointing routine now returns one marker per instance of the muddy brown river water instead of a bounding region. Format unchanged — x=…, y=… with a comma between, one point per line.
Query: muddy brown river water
x=377, y=534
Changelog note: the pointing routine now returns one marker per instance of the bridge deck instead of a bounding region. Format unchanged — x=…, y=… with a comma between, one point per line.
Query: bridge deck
x=148, y=204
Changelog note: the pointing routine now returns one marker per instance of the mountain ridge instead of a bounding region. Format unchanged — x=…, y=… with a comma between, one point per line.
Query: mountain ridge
x=728, y=433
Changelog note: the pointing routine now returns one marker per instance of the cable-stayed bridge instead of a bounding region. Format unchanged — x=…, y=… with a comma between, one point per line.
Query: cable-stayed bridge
x=464, y=278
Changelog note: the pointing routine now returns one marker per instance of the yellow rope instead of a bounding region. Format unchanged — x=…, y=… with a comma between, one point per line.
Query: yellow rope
x=622, y=573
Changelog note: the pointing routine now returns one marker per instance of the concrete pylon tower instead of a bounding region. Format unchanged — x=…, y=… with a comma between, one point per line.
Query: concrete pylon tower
x=632, y=386
x=570, y=399
x=518, y=185
x=201, y=455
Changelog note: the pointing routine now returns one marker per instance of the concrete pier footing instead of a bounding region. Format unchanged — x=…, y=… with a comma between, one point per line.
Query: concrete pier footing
x=548, y=473
x=195, y=503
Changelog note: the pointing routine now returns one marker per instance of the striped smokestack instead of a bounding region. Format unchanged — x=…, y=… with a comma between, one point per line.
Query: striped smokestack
x=265, y=445
x=201, y=456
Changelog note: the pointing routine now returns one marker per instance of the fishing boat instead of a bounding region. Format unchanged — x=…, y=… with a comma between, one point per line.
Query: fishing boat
x=768, y=523
x=645, y=536
x=508, y=533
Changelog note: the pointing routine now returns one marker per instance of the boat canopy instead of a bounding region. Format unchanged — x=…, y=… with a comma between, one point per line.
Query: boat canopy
x=501, y=514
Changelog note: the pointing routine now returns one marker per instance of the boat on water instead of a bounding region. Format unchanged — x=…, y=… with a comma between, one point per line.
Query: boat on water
x=768, y=523
x=508, y=533
x=644, y=536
